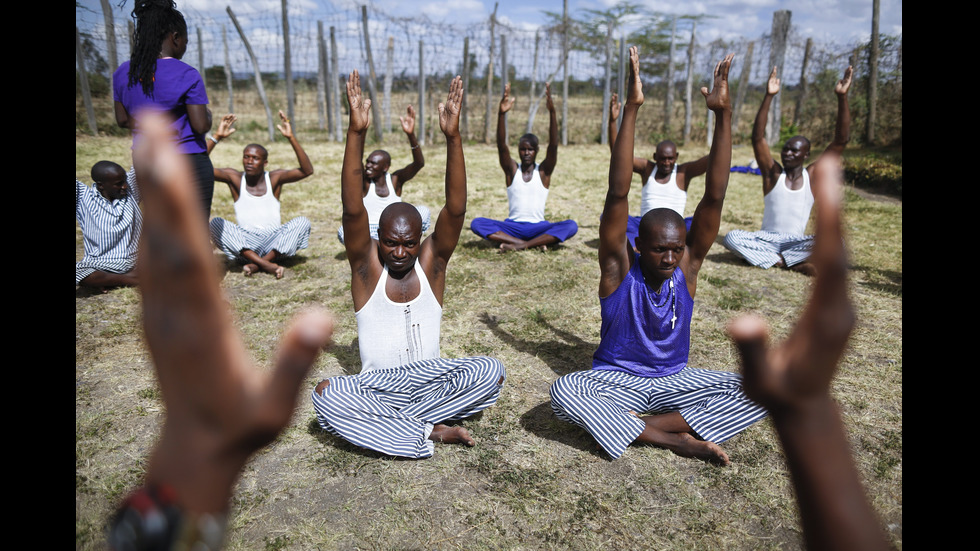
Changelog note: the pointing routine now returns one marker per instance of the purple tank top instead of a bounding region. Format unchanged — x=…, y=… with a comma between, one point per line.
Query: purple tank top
x=645, y=333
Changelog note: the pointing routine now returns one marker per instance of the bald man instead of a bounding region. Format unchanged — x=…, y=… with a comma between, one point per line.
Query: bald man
x=405, y=393
x=664, y=181
x=786, y=193
x=108, y=213
x=640, y=389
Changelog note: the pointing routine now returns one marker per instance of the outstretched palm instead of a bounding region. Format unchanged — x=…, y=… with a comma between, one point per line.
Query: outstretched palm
x=360, y=107
x=508, y=100
x=449, y=111
x=845, y=83
x=718, y=99
x=408, y=121
x=634, y=94
x=772, y=87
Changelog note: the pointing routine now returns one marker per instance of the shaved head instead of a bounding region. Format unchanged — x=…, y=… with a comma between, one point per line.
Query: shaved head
x=666, y=145
x=655, y=221
x=106, y=170
x=529, y=138
x=400, y=213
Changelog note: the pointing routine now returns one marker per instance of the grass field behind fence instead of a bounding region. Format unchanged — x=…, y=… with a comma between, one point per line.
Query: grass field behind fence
x=531, y=482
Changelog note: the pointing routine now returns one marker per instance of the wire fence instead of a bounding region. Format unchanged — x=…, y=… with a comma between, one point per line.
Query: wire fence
x=435, y=49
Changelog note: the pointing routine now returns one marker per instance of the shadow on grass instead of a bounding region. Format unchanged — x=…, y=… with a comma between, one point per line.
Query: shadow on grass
x=541, y=421
x=571, y=353
x=886, y=281
x=348, y=356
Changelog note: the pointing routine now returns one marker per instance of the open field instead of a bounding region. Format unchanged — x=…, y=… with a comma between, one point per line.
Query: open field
x=531, y=482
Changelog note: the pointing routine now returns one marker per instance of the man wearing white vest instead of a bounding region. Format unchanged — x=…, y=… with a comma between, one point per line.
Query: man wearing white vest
x=260, y=239
x=786, y=190
x=381, y=187
x=664, y=181
x=405, y=392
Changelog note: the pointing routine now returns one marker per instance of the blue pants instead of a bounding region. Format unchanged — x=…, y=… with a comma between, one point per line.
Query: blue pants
x=392, y=411
x=600, y=401
x=524, y=230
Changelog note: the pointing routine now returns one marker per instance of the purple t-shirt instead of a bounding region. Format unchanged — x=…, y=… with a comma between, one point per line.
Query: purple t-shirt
x=645, y=333
x=175, y=86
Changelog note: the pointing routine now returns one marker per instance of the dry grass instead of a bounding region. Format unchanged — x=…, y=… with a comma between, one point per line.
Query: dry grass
x=532, y=482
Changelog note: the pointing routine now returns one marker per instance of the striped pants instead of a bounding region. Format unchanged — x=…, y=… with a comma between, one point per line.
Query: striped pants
x=764, y=248
x=373, y=228
x=392, y=411
x=712, y=403
x=286, y=239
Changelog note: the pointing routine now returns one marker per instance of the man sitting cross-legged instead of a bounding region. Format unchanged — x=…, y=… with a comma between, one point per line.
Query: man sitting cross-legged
x=260, y=238
x=382, y=188
x=664, y=181
x=108, y=213
x=786, y=190
x=405, y=391
x=527, y=188
x=646, y=302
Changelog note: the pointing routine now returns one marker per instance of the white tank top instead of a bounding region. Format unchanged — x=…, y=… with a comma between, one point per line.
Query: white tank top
x=257, y=211
x=787, y=210
x=526, y=199
x=390, y=334
x=662, y=196
x=375, y=205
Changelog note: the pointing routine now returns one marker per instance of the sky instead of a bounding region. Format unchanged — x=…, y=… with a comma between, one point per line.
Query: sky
x=840, y=21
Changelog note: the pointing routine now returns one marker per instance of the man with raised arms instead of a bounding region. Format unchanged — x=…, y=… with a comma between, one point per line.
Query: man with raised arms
x=528, y=184
x=786, y=190
x=405, y=391
x=382, y=188
x=664, y=181
x=646, y=300
x=260, y=238
x=108, y=213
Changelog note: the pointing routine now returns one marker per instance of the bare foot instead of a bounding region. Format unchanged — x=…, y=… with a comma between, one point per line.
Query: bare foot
x=250, y=269
x=279, y=271
x=507, y=247
x=690, y=446
x=451, y=435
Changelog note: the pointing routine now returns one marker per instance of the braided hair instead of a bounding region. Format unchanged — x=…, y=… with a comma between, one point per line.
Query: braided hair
x=154, y=21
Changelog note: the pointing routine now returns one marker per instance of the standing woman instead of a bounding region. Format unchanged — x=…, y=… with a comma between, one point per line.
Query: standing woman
x=155, y=78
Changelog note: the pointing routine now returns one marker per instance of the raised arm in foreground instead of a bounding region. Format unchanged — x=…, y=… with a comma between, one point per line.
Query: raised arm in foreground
x=219, y=409
x=793, y=381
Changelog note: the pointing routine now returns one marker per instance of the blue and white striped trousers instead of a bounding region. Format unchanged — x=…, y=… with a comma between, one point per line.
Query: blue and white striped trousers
x=232, y=239
x=392, y=411
x=764, y=248
x=600, y=401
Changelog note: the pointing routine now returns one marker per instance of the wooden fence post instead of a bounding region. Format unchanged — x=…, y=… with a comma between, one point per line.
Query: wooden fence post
x=258, y=74
x=83, y=80
x=777, y=57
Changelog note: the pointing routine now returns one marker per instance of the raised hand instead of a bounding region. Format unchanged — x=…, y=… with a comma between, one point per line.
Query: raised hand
x=788, y=376
x=449, y=111
x=220, y=409
x=634, y=92
x=408, y=121
x=844, y=84
x=285, y=128
x=225, y=128
x=360, y=107
x=718, y=99
x=549, y=102
x=507, y=101
x=772, y=87
x=614, y=107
